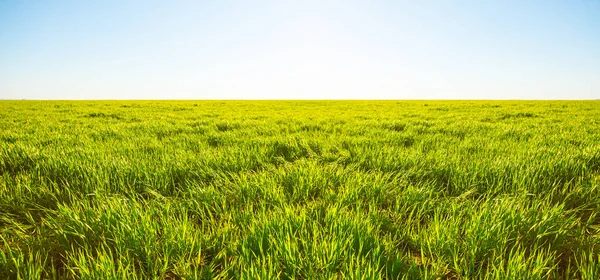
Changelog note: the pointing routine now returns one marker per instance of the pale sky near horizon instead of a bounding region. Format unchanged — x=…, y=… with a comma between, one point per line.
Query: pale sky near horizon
x=284, y=49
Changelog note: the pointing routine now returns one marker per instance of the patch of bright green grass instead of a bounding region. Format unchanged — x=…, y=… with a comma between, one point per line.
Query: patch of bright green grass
x=299, y=190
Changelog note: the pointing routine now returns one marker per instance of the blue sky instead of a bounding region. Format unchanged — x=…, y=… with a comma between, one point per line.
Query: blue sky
x=309, y=49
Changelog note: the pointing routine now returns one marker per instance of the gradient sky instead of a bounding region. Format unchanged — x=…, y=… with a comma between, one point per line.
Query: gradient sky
x=304, y=49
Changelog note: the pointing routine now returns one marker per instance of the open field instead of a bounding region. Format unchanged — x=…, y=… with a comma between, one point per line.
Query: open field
x=299, y=190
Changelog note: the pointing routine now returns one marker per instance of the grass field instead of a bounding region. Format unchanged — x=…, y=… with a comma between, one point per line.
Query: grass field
x=299, y=190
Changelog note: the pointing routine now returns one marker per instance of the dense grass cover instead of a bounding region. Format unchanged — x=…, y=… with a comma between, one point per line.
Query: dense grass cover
x=299, y=190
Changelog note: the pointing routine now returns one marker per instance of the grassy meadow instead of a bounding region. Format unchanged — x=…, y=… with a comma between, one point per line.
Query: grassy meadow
x=299, y=190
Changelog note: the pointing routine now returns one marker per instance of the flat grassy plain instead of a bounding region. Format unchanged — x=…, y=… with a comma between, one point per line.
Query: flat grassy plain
x=299, y=190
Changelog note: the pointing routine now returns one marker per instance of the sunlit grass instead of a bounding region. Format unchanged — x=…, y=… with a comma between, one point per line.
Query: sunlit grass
x=299, y=190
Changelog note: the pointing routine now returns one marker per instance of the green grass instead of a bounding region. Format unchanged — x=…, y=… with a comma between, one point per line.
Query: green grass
x=299, y=190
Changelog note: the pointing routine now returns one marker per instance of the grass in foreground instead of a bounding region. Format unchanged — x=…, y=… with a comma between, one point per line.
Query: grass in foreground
x=299, y=190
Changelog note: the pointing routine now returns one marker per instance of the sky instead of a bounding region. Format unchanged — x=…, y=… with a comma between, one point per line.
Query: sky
x=303, y=49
